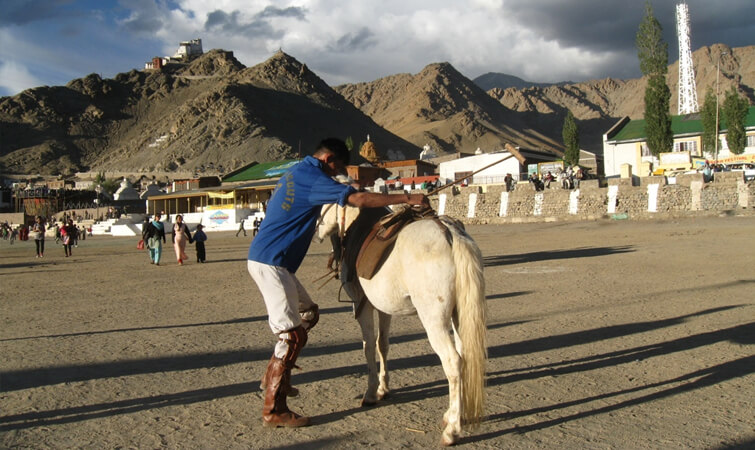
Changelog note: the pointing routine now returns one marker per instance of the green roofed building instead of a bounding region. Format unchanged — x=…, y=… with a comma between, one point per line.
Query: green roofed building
x=242, y=195
x=260, y=171
x=625, y=144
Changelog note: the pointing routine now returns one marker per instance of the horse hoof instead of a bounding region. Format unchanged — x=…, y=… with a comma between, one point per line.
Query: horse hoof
x=368, y=403
x=448, y=439
x=384, y=396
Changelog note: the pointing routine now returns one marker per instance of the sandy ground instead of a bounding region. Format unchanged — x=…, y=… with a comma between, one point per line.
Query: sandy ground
x=607, y=334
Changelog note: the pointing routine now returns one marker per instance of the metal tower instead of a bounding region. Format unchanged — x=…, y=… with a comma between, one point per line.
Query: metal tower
x=687, y=88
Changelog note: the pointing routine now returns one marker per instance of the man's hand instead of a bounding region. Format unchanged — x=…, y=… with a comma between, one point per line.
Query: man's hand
x=417, y=199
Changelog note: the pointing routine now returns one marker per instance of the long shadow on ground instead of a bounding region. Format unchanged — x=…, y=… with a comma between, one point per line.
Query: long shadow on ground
x=744, y=334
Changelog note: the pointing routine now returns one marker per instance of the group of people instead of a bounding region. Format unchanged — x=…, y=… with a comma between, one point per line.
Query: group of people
x=153, y=237
x=255, y=226
x=569, y=178
x=8, y=233
x=67, y=233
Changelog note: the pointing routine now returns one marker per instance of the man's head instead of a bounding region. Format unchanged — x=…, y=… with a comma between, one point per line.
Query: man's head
x=334, y=155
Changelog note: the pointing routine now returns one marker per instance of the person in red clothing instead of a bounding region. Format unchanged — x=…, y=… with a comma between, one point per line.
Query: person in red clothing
x=67, y=236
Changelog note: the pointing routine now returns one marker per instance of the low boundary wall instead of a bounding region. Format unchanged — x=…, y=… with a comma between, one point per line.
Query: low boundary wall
x=655, y=197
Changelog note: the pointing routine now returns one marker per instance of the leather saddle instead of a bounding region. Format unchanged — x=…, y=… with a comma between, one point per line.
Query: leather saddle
x=382, y=237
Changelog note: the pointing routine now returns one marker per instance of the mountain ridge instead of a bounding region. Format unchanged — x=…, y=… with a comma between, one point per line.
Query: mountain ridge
x=216, y=111
x=212, y=110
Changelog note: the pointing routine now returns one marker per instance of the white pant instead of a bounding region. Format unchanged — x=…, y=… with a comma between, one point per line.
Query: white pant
x=284, y=295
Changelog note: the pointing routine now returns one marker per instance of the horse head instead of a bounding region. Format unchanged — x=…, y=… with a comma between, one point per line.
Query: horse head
x=332, y=218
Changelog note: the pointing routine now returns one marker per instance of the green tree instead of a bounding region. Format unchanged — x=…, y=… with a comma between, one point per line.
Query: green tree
x=652, y=51
x=735, y=112
x=660, y=138
x=653, y=55
x=570, y=134
x=108, y=185
x=708, y=121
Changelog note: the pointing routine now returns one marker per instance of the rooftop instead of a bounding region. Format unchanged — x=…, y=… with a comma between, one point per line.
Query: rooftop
x=634, y=130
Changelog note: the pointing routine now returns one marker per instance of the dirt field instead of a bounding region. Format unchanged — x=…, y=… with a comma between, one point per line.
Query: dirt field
x=607, y=334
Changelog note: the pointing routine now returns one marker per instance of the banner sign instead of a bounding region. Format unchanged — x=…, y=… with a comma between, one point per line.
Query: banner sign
x=219, y=217
x=223, y=195
x=674, y=159
x=737, y=159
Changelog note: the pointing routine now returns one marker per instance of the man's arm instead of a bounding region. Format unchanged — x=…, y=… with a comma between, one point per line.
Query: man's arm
x=374, y=200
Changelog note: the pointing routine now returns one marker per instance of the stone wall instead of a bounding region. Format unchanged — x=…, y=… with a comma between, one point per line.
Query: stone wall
x=652, y=197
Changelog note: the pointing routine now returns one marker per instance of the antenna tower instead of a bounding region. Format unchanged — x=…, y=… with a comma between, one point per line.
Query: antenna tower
x=687, y=88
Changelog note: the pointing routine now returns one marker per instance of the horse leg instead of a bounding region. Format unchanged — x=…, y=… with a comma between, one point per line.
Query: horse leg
x=384, y=327
x=441, y=342
x=366, y=321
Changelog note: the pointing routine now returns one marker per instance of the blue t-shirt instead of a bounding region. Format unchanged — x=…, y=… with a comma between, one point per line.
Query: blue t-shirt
x=292, y=212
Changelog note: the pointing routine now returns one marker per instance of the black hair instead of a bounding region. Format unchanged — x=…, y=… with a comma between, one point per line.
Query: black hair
x=335, y=146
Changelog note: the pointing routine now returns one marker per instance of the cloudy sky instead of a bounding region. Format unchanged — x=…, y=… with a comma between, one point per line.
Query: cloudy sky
x=50, y=42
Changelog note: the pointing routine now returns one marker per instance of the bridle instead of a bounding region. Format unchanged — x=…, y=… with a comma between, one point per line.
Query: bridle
x=334, y=272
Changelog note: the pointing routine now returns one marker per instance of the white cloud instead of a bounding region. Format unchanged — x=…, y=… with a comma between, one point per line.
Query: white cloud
x=364, y=40
x=14, y=78
x=359, y=40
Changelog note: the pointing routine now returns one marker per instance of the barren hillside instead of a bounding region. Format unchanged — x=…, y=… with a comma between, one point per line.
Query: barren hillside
x=441, y=107
x=214, y=110
x=598, y=104
x=217, y=111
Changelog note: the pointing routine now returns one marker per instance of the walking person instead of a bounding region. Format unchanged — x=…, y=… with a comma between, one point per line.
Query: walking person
x=38, y=233
x=256, y=226
x=199, y=239
x=154, y=237
x=67, y=235
x=180, y=237
x=74, y=234
x=241, y=228
x=277, y=252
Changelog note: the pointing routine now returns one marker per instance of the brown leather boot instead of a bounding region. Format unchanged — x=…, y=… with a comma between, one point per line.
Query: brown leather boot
x=289, y=390
x=275, y=412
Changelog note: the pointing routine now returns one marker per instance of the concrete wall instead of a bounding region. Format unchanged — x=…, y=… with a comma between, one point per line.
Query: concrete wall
x=652, y=197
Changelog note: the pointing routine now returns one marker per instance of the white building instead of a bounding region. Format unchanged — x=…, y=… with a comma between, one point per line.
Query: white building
x=126, y=191
x=188, y=49
x=450, y=171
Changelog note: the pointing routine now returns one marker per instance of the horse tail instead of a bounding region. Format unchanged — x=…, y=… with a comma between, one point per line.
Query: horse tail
x=471, y=312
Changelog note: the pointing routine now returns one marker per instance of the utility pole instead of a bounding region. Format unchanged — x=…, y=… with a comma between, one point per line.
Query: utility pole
x=718, y=70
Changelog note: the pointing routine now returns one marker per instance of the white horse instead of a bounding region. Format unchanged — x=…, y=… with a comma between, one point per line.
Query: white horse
x=436, y=272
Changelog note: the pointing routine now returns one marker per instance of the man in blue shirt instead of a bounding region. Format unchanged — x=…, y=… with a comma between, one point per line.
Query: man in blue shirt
x=279, y=249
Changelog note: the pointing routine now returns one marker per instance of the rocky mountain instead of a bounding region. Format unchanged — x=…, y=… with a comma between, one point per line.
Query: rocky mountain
x=492, y=80
x=598, y=104
x=215, y=111
x=212, y=110
x=441, y=107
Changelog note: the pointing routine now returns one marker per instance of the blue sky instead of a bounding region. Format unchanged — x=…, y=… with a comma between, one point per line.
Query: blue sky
x=50, y=42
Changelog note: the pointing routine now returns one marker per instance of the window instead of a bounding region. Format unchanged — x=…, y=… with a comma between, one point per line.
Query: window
x=751, y=140
x=686, y=146
x=645, y=150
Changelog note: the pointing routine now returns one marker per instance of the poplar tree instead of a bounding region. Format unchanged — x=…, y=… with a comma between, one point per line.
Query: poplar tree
x=708, y=121
x=735, y=111
x=570, y=134
x=652, y=52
